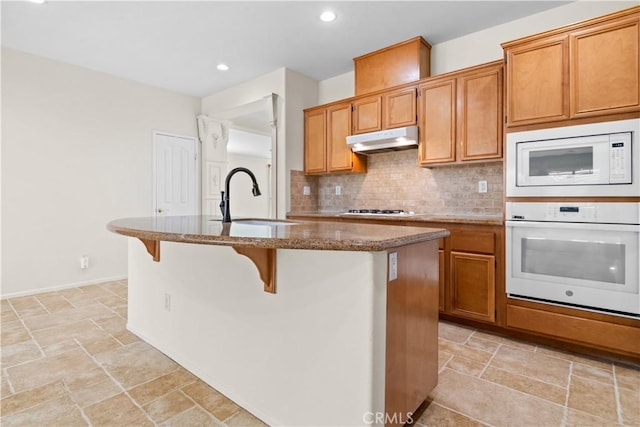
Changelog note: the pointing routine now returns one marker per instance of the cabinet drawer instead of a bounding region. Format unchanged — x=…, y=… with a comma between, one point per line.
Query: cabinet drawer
x=586, y=331
x=473, y=241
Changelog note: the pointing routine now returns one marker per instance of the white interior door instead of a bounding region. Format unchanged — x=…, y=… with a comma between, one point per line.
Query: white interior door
x=175, y=175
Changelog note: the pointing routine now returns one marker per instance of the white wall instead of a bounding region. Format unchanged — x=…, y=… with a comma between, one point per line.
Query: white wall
x=333, y=89
x=76, y=153
x=484, y=46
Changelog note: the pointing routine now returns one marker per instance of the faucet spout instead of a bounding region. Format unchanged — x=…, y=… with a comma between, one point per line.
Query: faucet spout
x=224, y=204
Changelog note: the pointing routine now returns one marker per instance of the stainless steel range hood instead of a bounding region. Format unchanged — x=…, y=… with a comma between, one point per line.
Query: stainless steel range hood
x=384, y=140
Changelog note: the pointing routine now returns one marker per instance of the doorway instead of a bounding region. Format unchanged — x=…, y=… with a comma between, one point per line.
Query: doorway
x=175, y=171
x=246, y=136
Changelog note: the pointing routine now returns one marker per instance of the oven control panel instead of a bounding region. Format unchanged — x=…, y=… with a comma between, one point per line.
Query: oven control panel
x=596, y=212
x=572, y=212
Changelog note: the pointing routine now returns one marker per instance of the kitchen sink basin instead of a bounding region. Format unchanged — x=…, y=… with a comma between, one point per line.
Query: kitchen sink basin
x=268, y=222
x=255, y=221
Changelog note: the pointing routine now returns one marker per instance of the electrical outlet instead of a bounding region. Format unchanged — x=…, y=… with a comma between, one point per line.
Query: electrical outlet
x=338, y=190
x=482, y=186
x=306, y=190
x=167, y=302
x=393, y=266
x=84, y=261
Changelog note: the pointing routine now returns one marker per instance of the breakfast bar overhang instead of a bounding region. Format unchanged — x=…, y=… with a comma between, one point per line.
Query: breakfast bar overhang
x=346, y=335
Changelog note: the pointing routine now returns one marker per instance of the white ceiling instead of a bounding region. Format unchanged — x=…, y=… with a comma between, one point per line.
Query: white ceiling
x=177, y=44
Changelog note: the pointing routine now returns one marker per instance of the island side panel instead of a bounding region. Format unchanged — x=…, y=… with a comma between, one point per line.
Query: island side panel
x=412, y=331
x=311, y=354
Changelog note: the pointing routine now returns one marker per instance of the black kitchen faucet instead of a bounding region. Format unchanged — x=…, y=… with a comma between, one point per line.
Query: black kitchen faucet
x=224, y=204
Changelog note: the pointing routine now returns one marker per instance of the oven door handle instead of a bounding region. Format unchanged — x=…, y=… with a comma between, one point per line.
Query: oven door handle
x=574, y=225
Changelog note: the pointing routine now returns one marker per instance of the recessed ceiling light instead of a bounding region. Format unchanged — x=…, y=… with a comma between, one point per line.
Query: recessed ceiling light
x=222, y=67
x=38, y=1
x=328, y=16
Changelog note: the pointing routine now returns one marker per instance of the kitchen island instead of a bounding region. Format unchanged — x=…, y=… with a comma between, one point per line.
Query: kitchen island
x=318, y=323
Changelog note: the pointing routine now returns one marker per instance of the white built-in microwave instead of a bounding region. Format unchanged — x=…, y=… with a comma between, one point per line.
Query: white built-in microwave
x=599, y=159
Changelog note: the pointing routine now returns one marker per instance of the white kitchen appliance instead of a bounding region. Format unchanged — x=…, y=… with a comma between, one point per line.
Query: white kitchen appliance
x=579, y=254
x=384, y=140
x=598, y=159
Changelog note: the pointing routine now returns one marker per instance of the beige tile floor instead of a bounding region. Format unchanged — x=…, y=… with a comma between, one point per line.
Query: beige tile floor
x=67, y=360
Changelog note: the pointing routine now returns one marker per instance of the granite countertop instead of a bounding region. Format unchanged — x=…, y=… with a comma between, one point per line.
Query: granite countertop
x=417, y=218
x=280, y=234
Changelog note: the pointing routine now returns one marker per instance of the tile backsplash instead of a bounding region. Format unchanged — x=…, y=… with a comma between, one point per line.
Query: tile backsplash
x=395, y=181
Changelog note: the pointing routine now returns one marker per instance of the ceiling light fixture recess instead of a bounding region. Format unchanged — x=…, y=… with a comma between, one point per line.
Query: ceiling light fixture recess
x=222, y=67
x=328, y=16
x=38, y=1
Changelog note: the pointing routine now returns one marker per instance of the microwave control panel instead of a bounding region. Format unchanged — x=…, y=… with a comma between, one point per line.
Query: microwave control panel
x=619, y=164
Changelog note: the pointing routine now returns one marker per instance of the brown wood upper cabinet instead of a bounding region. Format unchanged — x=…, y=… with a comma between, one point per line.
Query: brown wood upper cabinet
x=401, y=63
x=325, y=141
x=460, y=115
x=388, y=110
x=582, y=70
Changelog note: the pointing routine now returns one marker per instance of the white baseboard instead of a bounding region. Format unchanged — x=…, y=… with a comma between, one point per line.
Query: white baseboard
x=60, y=287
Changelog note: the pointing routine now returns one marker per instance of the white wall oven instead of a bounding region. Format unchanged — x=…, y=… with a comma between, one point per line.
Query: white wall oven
x=584, y=255
x=593, y=160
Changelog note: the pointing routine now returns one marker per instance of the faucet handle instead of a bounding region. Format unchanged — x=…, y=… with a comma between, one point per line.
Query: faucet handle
x=222, y=204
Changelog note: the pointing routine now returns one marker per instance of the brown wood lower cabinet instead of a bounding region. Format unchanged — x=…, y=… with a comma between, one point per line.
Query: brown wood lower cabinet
x=473, y=286
x=471, y=278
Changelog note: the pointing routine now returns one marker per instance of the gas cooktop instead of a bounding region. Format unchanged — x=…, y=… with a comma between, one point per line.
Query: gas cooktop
x=382, y=212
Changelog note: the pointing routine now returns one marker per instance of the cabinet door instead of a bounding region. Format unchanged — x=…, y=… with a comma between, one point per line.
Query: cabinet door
x=538, y=82
x=605, y=68
x=338, y=128
x=315, y=141
x=399, y=108
x=367, y=114
x=473, y=286
x=480, y=117
x=437, y=122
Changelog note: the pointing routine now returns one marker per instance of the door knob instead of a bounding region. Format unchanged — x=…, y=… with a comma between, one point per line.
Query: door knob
x=159, y=210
